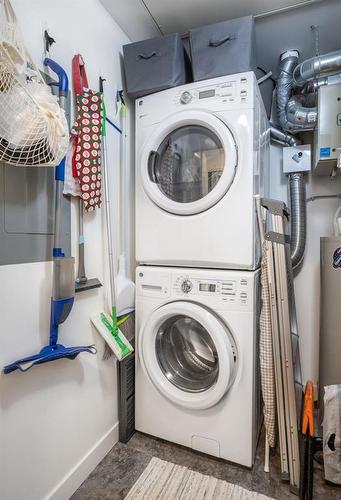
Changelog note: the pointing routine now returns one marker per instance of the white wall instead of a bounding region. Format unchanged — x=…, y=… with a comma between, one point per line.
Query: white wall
x=307, y=282
x=58, y=420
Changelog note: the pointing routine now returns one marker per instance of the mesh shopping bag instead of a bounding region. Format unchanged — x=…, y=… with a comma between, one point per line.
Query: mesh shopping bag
x=33, y=127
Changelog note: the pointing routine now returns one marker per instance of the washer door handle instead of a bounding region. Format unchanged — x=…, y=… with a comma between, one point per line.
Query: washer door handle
x=152, y=162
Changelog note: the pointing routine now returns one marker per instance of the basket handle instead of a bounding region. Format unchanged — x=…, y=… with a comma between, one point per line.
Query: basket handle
x=146, y=56
x=217, y=43
x=9, y=12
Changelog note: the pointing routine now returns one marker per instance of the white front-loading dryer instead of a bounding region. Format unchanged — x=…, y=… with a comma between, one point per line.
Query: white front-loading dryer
x=201, y=156
x=196, y=363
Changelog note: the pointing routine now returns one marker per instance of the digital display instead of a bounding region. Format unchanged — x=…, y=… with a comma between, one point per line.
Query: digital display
x=207, y=287
x=206, y=93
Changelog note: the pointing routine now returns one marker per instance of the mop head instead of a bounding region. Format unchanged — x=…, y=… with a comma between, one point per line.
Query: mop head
x=107, y=327
x=126, y=324
x=47, y=354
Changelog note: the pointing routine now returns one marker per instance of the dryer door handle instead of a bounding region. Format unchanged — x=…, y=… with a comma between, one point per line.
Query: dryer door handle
x=152, y=161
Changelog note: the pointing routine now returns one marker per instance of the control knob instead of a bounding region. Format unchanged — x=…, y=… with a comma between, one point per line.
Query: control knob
x=186, y=286
x=186, y=97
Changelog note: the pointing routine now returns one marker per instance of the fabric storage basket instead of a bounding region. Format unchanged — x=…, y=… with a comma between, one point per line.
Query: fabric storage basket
x=153, y=65
x=223, y=48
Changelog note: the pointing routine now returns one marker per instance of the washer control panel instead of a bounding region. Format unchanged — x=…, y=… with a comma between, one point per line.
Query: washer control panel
x=229, y=290
x=221, y=289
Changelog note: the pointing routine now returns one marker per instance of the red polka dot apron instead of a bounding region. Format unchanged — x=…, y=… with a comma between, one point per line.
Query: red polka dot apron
x=87, y=136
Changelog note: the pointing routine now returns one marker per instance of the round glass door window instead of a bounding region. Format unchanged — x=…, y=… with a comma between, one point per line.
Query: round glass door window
x=188, y=163
x=186, y=354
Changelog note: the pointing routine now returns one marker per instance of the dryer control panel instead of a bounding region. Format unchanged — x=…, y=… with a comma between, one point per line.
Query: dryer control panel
x=231, y=92
x=228, y=91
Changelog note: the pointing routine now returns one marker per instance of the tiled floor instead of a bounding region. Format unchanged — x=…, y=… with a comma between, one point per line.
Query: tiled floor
x=118, y=471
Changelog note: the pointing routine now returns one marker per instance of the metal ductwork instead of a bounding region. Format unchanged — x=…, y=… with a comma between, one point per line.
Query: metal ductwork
x=299, y=113
x=300, y=117
x=298, y=203
x=298, y=219
x=291, y=111
x=326, y=64
x=284, y=88
x=279, y=135
x=327, y=80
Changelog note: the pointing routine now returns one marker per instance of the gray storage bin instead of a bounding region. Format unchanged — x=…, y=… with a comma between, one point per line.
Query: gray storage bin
x=153, y=65
x=223, y=49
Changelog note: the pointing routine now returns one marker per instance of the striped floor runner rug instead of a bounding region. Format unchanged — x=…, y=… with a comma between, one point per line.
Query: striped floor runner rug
x=163, y=480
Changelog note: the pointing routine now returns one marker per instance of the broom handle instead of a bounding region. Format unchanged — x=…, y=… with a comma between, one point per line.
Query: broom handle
x=125, y=183
x=107, y=203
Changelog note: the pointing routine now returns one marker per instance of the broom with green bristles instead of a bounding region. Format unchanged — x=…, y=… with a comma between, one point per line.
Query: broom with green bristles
x=107, y=324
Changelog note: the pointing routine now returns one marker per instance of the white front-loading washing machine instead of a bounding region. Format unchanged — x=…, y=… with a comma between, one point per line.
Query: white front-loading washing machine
x=202, y=153
x=196, y=365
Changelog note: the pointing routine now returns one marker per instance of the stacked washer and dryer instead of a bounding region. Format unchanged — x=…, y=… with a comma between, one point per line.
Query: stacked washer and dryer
x=202, y=153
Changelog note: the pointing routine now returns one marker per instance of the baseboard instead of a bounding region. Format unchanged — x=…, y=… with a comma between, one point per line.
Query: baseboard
x=69, y=484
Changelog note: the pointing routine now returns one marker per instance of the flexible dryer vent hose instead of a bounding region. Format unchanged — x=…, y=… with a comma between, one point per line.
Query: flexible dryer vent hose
x=298, y=212
x=298, y=202
x=291, y=111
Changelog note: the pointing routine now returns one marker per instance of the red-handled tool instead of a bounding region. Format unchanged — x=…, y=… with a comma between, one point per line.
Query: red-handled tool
x=308, y=432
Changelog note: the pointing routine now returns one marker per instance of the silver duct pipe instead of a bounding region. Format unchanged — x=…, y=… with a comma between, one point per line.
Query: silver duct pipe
x=279, y=135
x=291, y=112
x=298, y=203
x=317, y=66
x=298, y=211
x=287, y=64
x=327, y=80
x=298, y=113
x=301, y=117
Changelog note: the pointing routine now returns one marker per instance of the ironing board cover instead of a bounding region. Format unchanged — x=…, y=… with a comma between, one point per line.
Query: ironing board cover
x=86, y=162
x=266, y=353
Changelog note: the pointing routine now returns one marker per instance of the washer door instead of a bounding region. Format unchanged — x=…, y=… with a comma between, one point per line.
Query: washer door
x=188, y=354
x=189, y=163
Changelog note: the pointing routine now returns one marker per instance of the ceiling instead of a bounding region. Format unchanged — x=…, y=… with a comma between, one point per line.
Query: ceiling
x=181, y=15
x=280, y=24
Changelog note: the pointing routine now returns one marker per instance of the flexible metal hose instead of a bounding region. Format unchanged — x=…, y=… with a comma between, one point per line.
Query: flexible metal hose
x=278, y=135
x=287, y=65
x=299, y=112
x=298, y=202
x=298, y=212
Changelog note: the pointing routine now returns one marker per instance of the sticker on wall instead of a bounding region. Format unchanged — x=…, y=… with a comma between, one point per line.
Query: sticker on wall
x=337, y=258
x=324, y=152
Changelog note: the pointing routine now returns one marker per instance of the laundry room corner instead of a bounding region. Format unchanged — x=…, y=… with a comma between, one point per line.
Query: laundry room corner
x=59, y=420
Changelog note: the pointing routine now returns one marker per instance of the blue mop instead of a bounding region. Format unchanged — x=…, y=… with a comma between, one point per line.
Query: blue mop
x=63, y=269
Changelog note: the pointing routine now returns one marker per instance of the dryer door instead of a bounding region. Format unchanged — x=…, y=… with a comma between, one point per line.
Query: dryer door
x=188, y=354
x=189, y=163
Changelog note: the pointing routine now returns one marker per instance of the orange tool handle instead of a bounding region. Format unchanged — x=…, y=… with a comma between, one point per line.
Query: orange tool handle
x=308, y=409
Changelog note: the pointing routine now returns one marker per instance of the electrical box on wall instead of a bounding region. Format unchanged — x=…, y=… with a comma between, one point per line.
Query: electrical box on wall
x=327, y=156
x=297, y=159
